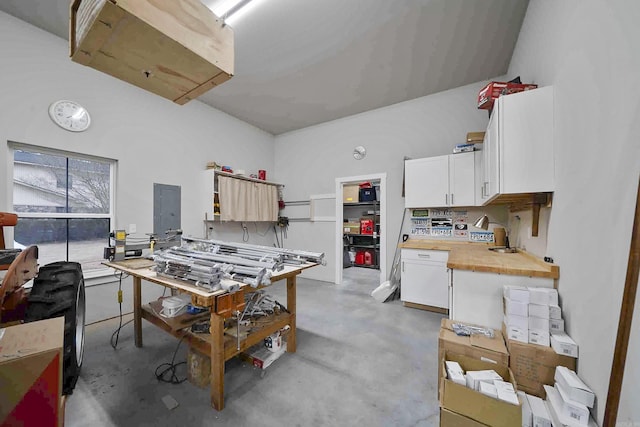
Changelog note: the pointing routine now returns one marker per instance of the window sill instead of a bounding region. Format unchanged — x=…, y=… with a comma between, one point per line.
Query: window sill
x=99, y=277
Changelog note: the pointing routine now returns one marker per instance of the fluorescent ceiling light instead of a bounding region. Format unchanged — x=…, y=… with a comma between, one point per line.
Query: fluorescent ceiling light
x=231, y=10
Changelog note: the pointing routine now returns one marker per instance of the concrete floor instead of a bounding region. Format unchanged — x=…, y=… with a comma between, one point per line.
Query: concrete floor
x=359, y=362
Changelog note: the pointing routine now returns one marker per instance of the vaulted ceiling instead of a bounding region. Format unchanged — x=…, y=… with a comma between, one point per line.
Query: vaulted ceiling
x=304, y=62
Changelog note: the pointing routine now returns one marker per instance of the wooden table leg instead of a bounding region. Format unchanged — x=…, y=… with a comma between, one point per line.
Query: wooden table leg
x=137, y=310
x=217, y=361
x=291, y=306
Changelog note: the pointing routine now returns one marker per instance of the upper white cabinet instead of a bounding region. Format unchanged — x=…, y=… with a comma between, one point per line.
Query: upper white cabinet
x=440, y=181
x=461, y=179
x=518, y=145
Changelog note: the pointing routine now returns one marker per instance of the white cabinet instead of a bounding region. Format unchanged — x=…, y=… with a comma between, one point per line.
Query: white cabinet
x=426, y=182
x=424, y=278
x=518, y=145
x=477, y=296
x=461, y=179
x=440, y=181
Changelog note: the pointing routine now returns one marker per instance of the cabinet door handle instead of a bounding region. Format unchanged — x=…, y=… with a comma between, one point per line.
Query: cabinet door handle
x=446, y=198
x=452, y=199
x=424, y=256
x=403, y=266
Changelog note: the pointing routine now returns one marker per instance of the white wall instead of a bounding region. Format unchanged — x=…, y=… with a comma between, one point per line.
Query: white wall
x=154, y=140
x=309, y=160
x=589, y=51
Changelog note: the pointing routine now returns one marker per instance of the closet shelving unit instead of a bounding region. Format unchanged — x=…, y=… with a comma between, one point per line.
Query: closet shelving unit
x=363, y=242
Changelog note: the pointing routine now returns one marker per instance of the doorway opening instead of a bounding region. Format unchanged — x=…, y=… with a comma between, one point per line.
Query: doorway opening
x=361, y=224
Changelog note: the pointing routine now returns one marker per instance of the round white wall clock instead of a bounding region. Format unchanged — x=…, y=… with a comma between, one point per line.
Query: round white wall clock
x=70, y=115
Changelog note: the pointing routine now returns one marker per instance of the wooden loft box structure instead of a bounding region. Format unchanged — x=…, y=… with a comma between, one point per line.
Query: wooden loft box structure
x=177, y=49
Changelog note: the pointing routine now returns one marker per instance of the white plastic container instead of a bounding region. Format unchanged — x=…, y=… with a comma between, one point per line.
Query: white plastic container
x=173, y=306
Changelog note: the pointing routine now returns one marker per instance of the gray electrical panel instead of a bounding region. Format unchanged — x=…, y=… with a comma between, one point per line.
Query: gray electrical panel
x=166, y=208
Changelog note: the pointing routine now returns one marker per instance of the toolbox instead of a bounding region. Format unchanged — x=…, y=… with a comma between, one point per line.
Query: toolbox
x=492, y=91
x=366, y=226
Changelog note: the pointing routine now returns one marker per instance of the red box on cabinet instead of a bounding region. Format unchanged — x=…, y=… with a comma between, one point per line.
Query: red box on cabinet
x=492, y=91
x=366, y=226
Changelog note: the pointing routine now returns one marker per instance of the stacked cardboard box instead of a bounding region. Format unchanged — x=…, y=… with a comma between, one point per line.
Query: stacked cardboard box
x=569, y=400
x=533, y=315
x=533, y=321
x=534, y=366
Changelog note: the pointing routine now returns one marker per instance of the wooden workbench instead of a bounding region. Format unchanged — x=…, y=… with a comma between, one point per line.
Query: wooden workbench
x=219, y=347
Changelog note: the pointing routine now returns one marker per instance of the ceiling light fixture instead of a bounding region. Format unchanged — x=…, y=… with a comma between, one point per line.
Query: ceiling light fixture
x=229, y=10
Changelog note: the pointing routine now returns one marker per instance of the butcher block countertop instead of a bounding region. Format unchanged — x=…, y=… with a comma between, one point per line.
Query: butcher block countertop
x=477, y=257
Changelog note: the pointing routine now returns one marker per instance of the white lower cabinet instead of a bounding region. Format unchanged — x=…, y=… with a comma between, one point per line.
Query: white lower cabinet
x=425, y=278
x=477, y=296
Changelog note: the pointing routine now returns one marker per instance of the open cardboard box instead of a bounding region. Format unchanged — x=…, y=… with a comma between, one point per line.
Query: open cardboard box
x=473, y=404
x=479, y=347
x=451, y=419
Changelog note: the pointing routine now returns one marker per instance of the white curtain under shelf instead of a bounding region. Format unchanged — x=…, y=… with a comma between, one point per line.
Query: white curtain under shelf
x=242, y=200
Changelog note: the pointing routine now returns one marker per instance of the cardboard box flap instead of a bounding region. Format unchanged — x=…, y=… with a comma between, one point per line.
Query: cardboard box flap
x=481, y=341
x=494, y=344
x=31, y=338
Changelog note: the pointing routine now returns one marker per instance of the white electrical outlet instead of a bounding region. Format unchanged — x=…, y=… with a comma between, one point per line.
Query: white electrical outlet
x=132, y=228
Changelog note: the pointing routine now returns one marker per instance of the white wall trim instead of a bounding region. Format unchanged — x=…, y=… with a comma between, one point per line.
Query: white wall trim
x=382, y=177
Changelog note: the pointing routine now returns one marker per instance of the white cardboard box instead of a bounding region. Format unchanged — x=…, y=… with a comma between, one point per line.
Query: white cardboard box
x=474, y=378
x=555, y=406
x=517, y=334
x=455, y=372
x=563, y=344
x=574, y=387
x=539, y=336
x=506, y=392
x=539, y=412
x=543, y=296
x=572, y=409
x=537, y=310
x=538, y=323
x=516, y=307
x=521, y=322
x=556, y=325
x=555, y=312
x=527, y=416
x=516, y=293
x=488, y=389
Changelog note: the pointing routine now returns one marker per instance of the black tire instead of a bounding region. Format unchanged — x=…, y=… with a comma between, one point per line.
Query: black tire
x=58, y=290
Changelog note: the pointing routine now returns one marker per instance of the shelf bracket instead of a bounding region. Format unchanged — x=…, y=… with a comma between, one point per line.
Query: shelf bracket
x=539, y=199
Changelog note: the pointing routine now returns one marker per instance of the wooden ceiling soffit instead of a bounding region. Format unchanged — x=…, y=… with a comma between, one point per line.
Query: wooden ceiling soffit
x=174, y=49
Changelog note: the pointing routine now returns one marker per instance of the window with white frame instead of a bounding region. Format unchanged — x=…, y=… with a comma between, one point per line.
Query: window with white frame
x=64, y=202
